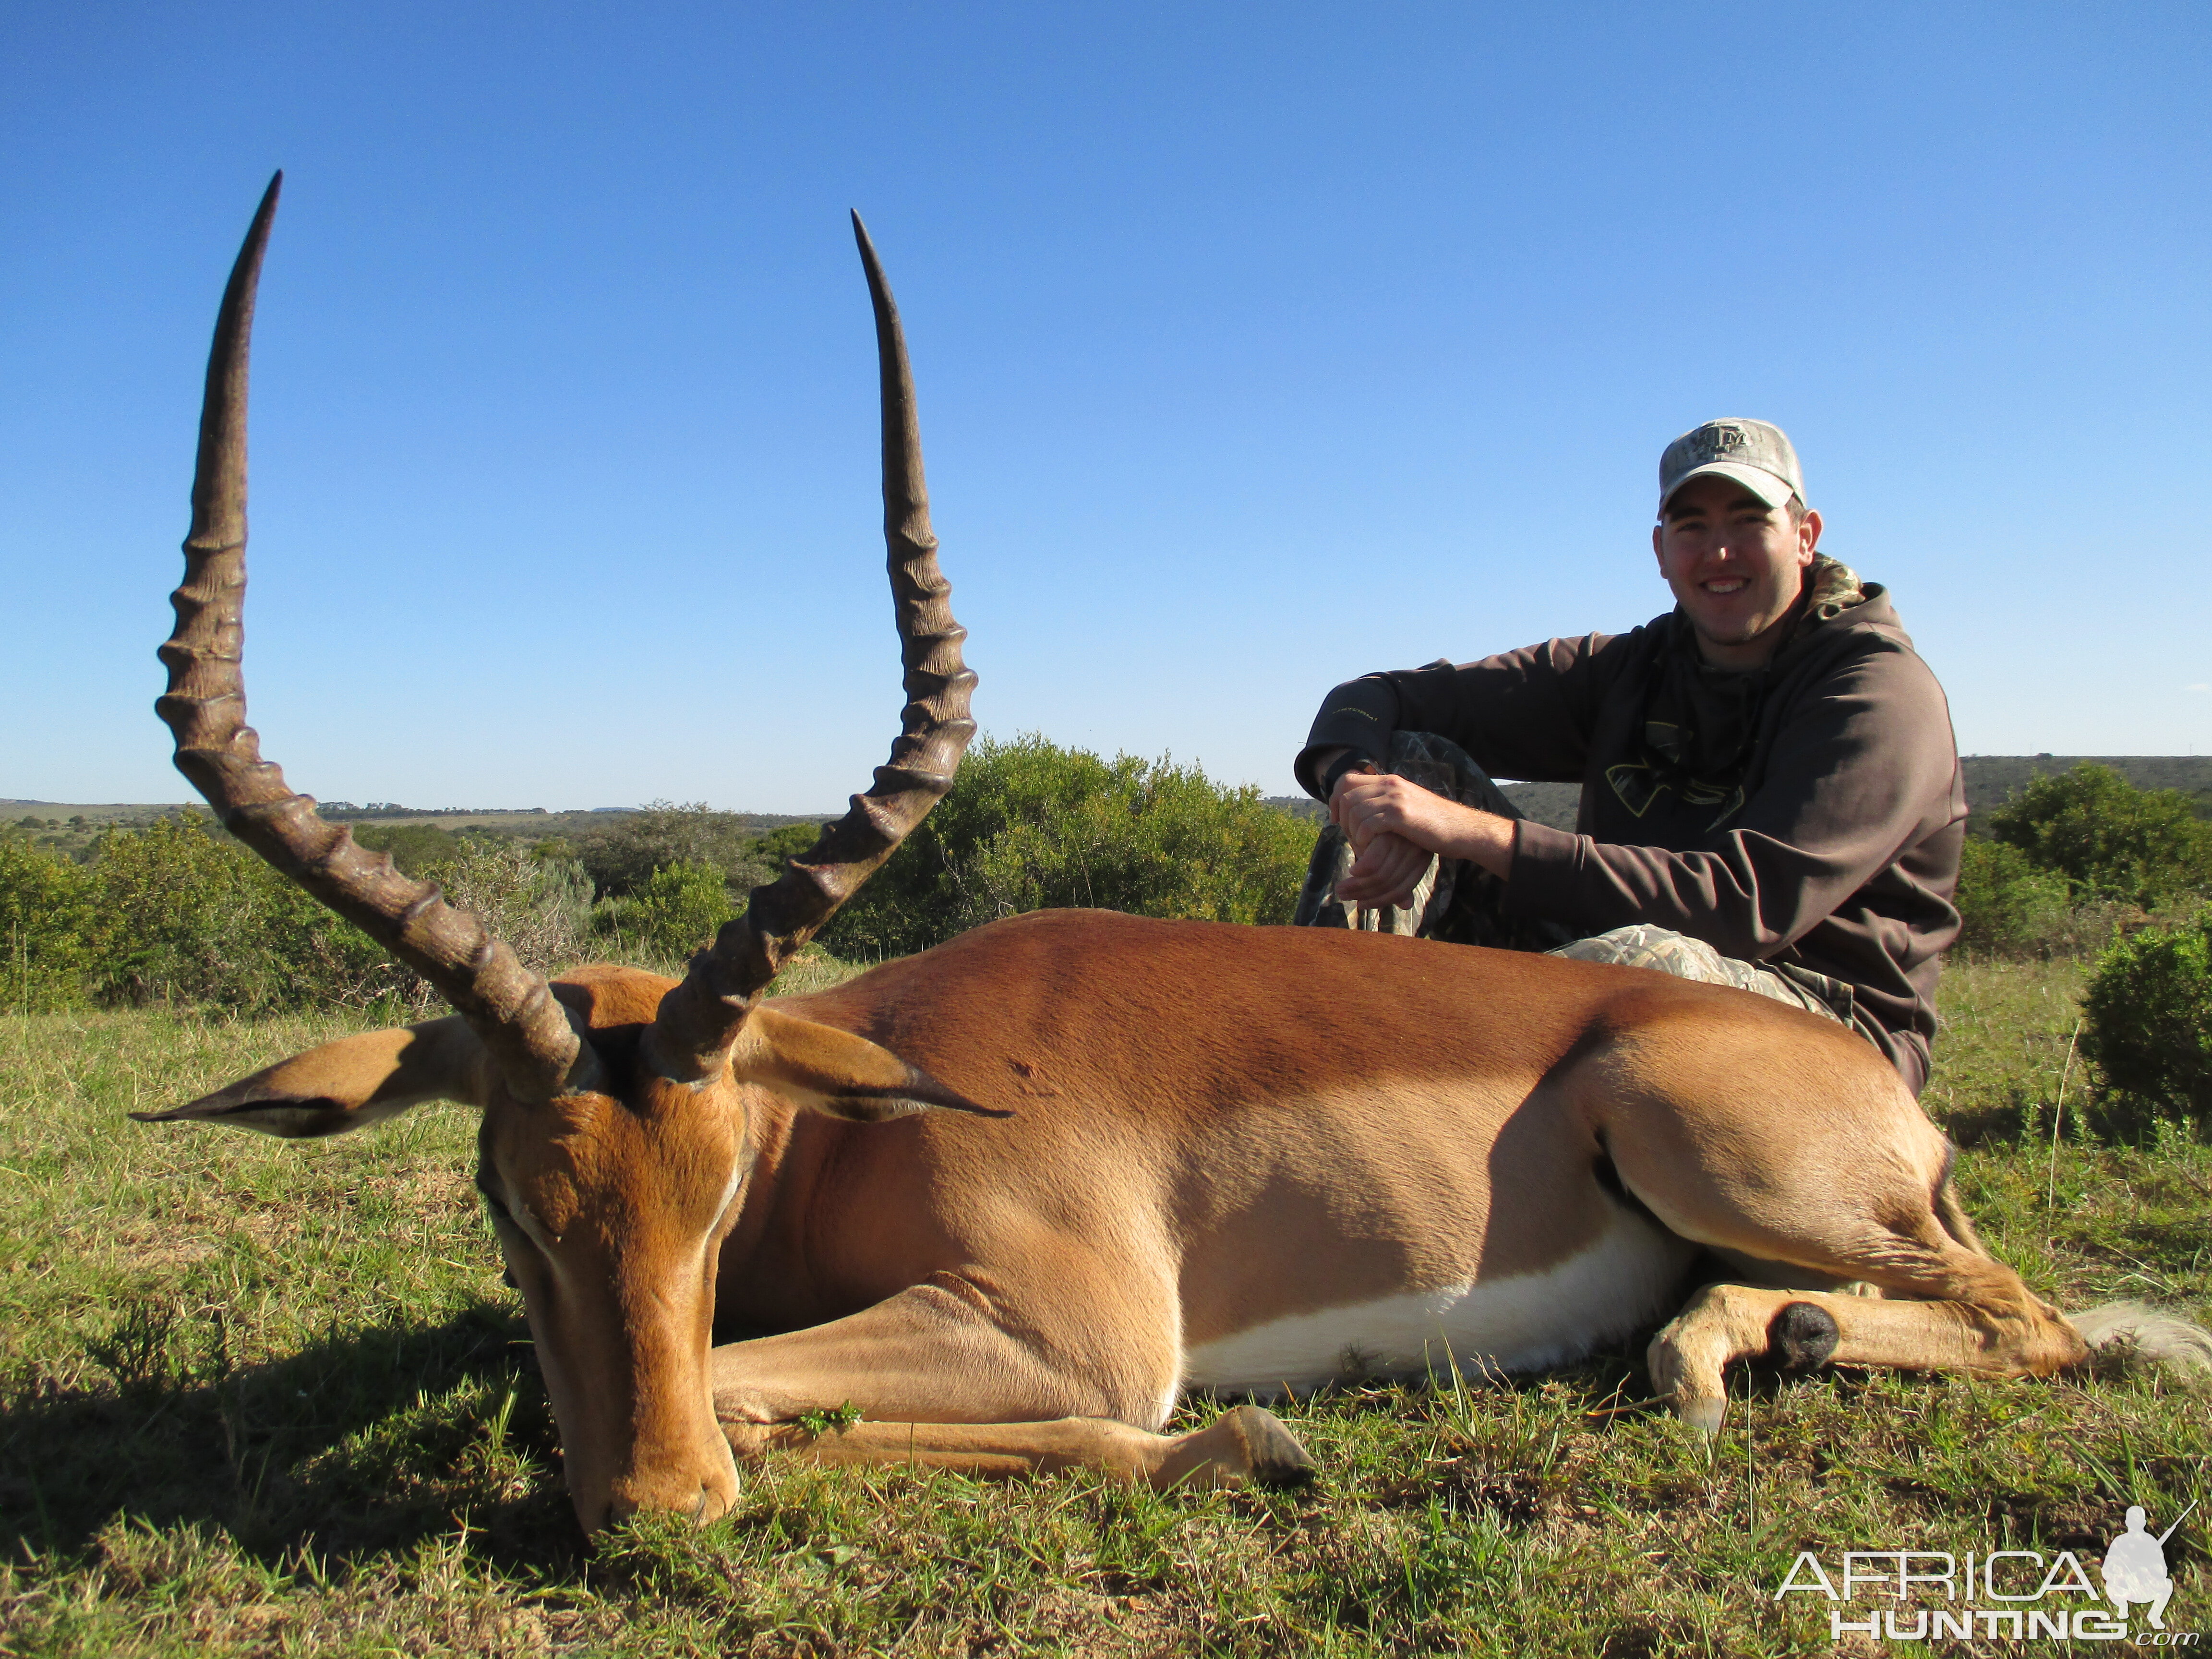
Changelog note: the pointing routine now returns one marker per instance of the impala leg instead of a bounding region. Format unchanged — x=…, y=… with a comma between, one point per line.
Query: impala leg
x=1809, y=1159
x=1977, y=1317
x=1246, y=1443
x=944, y=1378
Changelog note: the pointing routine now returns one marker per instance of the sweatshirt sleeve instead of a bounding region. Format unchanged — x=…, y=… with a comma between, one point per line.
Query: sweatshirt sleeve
x=1525, y=713
x=1860, y=765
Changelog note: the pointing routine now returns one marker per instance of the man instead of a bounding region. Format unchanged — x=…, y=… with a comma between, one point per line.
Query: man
x=1769, y=788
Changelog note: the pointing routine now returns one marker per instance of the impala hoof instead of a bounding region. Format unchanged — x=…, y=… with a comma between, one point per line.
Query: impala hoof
x=1273, y=1456
x=1803, y=1336
x=1703, y=1412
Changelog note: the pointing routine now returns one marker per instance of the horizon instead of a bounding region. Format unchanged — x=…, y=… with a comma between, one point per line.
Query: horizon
x=348, y=811
x=1248, y=360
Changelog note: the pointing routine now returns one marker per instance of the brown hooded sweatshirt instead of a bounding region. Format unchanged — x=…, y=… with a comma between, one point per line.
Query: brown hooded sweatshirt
x=1810, y=812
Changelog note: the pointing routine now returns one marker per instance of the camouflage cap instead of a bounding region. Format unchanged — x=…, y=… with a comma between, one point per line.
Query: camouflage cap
x=1755, y=454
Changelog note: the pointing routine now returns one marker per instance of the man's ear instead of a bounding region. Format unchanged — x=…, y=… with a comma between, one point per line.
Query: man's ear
x=349, y=1083
x=826, y=1070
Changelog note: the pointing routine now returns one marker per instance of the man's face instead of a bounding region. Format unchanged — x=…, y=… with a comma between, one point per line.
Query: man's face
x=1736, y=566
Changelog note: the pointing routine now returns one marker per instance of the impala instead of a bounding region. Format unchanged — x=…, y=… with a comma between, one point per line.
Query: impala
x=1015, y=1196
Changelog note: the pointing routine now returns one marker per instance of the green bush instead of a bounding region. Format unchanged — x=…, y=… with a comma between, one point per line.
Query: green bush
x=414, y=847
x=792, y=840
x=542, y=907
x=189, y=915
x=47, y=921
x=2148, y=1026
x=1030, y=826
x=622, y=858
x=678, y=909
x=2008, y=906
x=2109, y=839
x=179, y=911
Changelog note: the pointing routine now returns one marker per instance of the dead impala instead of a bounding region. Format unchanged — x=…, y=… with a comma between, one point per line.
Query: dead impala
x=1016, y=1196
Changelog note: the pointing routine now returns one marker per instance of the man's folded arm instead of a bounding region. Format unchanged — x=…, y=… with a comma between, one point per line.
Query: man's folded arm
x=1865, y=770
x=1524, y=714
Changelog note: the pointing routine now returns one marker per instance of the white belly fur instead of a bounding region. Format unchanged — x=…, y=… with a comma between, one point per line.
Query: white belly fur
x=1524, y=1323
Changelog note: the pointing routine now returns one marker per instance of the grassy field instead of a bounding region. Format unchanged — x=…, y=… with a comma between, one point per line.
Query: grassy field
x=263, y=1398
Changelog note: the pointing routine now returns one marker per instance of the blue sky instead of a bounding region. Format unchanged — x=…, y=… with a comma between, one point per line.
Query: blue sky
x=1257, y=347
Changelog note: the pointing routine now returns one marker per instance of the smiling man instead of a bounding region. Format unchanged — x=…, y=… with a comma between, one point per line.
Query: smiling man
x=1770, y=795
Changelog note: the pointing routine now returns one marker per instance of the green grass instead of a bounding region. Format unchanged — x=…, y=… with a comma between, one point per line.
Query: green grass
x=261, y=1398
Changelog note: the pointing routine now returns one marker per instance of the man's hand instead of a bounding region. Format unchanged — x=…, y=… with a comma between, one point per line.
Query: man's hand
x=1395, y=827
x=1385, y=872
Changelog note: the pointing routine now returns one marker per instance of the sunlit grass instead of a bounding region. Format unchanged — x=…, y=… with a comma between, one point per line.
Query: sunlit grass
x=269, y=1397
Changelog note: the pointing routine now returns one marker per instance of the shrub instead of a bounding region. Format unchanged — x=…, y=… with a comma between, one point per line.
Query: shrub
x=1030, y=825
x=2148, y=1014
x=2109, y=839
x=678, y=908
x=791, y=841
x=189, y=915
x=186, y=913
x=179, y=912
x=541, y=907
x=2007, y=906
x=624, y=857
x=414, y=847
x=47, y=917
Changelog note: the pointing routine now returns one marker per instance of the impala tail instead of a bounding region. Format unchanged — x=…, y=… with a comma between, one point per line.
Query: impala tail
x=2129, y=1332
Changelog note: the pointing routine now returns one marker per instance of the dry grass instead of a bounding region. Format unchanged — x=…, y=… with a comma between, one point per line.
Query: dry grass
x=271, y=1398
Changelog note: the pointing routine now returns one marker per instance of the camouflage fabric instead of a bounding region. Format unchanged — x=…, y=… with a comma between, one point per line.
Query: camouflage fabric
x=1461, y=903
x=1645, y=946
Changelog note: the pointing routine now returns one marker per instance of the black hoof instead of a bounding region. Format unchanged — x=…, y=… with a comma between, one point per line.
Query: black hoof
x=1272, y=1452
x=1803, y=1335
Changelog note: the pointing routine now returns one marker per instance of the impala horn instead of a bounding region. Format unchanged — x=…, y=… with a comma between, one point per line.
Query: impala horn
x=511, y=1009
x=699, y=1019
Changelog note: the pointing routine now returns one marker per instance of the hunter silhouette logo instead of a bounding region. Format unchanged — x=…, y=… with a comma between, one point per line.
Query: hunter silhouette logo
x=2006, y=1594
x=2134, y=1566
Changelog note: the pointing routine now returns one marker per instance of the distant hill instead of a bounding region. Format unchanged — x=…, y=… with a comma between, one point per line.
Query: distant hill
x=1991, y=779
x=71, y=829
x=533, y=820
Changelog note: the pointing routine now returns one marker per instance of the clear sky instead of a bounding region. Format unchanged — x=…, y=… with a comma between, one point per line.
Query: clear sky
x=1257, y=347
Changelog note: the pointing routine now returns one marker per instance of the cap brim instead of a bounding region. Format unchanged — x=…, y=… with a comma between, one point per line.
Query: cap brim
x=1769, y=487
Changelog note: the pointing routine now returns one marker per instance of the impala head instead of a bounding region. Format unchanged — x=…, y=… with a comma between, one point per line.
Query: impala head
x=617, y=1105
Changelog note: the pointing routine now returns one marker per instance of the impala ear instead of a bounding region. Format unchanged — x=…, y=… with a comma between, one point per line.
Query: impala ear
x=349, y=1083
x=826, y=1070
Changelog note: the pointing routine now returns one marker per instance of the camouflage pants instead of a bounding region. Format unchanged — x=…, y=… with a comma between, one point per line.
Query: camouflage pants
x=1461, y=903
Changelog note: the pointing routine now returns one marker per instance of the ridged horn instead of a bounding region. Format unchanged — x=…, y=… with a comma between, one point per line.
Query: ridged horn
x=511, y=1009
x=699, y=1019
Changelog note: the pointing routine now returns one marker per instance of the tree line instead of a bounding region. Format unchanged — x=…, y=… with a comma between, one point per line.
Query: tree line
x=178, y=911
x=2084, y=862
x=2081, y=863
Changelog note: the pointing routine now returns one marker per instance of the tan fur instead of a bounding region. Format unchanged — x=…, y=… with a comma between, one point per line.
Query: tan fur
x=1164, y=1135
x=349, y=1083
